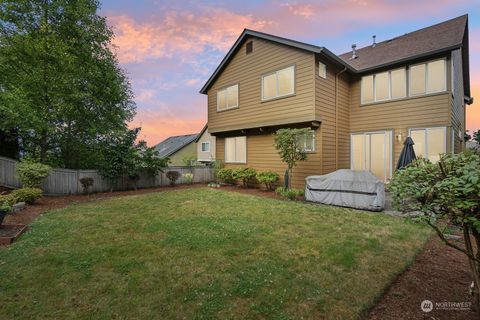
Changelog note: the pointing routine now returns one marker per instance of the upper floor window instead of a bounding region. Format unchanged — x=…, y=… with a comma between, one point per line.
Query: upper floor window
x=227, y=98
x=430, y=77
x=384, y=86
x=206, y=146
x=307, y=141
x=278, y=84
x=322, y=70
x=249, y=47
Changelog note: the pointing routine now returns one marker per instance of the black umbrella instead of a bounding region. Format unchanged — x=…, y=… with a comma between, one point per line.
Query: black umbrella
x=407, y=155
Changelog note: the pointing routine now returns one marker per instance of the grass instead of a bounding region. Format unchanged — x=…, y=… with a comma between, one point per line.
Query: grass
x=203, y=254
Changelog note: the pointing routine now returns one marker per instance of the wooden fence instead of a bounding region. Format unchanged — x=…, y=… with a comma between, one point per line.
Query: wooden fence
x=66, y=181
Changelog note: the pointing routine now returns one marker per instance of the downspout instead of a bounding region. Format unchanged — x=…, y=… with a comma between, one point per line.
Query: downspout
x=336, y=115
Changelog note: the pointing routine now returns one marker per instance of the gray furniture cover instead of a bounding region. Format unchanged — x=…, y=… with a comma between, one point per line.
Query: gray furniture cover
x=347, y=188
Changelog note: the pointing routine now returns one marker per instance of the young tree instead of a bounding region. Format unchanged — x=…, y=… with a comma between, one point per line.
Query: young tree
x=448, y=191
x=288, y=143
x=61, y=87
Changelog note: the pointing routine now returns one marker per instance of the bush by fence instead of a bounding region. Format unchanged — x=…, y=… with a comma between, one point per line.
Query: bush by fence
x=65, y=181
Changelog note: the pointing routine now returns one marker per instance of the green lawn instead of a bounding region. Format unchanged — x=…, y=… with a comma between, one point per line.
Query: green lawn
x=203, y=253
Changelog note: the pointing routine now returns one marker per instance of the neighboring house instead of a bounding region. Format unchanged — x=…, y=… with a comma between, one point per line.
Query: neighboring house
x=473, y=145
x=205, y=146
x=360, y=106
x=178, y=148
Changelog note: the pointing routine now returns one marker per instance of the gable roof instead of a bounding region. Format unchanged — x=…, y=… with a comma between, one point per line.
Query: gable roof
x=173, y=144
x=266, y=36
x=205, y=127
x=445, y=36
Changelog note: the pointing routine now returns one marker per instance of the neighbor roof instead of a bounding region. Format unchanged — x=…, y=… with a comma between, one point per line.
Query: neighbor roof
x=173, y=144
x=444, y=36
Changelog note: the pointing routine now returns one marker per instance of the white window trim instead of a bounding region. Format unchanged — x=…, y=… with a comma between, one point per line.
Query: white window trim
x=390, y=151
x=276, y=77
x=426, y=78
x=374, y=76
x=324, y=67
x=206, y=143
x=313, y=143
x=426, y=137
x=225, y=151
x=225, y=89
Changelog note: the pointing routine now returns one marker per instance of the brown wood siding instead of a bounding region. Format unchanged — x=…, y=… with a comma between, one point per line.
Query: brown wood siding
x=246, y=71
x=399, y=115
x=458, y=106
x=262, y=156
x=325, y=110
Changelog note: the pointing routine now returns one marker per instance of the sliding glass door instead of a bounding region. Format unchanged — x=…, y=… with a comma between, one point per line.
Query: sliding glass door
x=372, y=151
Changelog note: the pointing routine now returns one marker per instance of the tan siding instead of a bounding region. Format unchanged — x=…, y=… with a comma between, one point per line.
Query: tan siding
x=399, y=116
x=458, y=107
x=262, y=155
x=246, y=70
x=331, y=123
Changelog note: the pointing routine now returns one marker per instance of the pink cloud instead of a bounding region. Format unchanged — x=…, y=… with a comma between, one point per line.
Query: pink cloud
x=179, y=34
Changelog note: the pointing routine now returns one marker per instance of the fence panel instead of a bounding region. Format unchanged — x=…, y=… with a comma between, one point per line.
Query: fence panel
x=65, y=181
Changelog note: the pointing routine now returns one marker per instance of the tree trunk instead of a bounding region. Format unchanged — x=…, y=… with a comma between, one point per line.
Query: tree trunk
x=473, y=265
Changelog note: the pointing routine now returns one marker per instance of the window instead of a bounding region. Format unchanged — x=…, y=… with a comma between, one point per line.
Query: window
x=206, y=146
x=367, y=89
x=236, y=149
x=428, y=77
x=384, y=86
x=278, y=84
x=429, y=142
x=249, y=47
x=227, y=98
x=322, y=70
x=307, y=142
x=398, y=79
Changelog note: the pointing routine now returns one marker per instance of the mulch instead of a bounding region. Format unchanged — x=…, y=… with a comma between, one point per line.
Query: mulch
x=439, y=273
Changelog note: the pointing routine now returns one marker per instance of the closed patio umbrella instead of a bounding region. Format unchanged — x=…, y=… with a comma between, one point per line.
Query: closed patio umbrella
x=407, y=155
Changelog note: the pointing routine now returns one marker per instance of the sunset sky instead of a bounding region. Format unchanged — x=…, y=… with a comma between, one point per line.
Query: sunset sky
x=170, y=48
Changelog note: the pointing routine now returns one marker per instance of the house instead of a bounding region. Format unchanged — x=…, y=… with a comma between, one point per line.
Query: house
x=205, y=147
x=178, y=149
x=360, y=105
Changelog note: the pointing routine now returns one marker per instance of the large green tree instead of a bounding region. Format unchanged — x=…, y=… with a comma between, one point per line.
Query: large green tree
x=61, y=88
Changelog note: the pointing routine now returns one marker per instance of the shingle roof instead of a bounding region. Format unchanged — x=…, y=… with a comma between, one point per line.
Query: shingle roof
x=434, y=39
x=173, y=144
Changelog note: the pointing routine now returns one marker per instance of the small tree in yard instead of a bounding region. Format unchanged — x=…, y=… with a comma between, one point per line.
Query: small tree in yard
x=32, y=174
x=449, y=192
x=290, y=148
x=173, y=176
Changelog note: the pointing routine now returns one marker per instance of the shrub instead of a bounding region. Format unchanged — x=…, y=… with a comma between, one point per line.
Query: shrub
x=246, y=175
x=188, y=178
x=269, y=178
x=225, y=175
x=173, y=177
x=27, y=195
x=289, y=193
x=86, y=182
x=5, y=208
x=32, y=174
x=8, y=199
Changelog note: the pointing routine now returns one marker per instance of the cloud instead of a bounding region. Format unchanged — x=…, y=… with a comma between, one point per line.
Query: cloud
x=304, y=10
x=181, y=34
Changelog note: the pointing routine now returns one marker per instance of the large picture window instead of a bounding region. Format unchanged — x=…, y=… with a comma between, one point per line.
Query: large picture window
x=430, y=143
x=236, y=149
x=227, y=98
x=430, y=77
x=278, y=84
x=384, y=86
